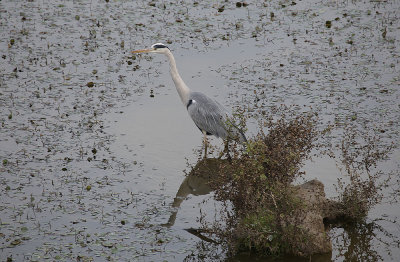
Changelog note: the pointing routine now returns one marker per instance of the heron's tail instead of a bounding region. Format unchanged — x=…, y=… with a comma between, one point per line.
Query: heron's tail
x=237, y=134
x=242, y=137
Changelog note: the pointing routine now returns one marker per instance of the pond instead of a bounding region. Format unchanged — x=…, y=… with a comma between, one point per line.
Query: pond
x=95, y=142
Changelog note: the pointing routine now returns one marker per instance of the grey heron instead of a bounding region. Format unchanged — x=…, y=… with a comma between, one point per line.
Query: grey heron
x=207, y=114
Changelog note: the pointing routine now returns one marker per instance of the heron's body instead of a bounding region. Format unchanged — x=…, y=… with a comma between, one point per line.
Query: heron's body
x=207, y=114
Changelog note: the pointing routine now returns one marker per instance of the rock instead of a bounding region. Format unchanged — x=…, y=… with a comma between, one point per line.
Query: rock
x=313, y=197
x=318, y=212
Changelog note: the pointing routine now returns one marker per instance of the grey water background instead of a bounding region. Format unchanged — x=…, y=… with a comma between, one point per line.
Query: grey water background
x=94, y=141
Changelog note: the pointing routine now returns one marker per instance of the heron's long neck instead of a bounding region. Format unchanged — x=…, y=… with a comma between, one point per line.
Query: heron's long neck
x=181, y=87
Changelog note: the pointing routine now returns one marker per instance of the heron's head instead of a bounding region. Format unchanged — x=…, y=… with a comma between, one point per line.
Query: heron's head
x=156, y=48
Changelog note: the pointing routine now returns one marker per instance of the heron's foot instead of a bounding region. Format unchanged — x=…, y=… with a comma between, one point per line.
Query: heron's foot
x=221, y=155
x=225, y=153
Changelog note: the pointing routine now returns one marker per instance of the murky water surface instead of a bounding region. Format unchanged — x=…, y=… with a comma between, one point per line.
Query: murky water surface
x=90, y=163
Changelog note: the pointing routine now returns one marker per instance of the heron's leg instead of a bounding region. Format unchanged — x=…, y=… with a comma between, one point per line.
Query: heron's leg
x=226, y=150
x=205, y=144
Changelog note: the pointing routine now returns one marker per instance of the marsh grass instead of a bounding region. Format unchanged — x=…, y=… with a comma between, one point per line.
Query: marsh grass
x=360, y=155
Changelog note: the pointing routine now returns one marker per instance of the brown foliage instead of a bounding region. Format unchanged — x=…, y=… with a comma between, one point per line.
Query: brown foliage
x=257, y=183
x=260, y=211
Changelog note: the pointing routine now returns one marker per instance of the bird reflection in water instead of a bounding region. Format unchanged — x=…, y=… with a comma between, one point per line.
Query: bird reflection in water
x=196, y=183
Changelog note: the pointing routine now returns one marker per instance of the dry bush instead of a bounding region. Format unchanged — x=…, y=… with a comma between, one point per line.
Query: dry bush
x=260, y=211
x=255, y=186
x=359, y=157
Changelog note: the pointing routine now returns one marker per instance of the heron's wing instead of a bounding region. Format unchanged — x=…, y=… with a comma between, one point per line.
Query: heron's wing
x=208, y=115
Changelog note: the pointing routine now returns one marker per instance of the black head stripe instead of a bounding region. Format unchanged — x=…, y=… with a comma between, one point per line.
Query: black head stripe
x=160, y=46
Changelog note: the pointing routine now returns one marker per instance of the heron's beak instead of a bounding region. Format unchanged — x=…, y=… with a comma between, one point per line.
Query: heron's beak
x=142, y=51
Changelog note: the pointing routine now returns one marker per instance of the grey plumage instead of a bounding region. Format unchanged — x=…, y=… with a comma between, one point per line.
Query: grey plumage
x=211, y=117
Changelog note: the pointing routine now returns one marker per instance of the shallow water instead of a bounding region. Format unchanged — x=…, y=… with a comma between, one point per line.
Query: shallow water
x=90, y=172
